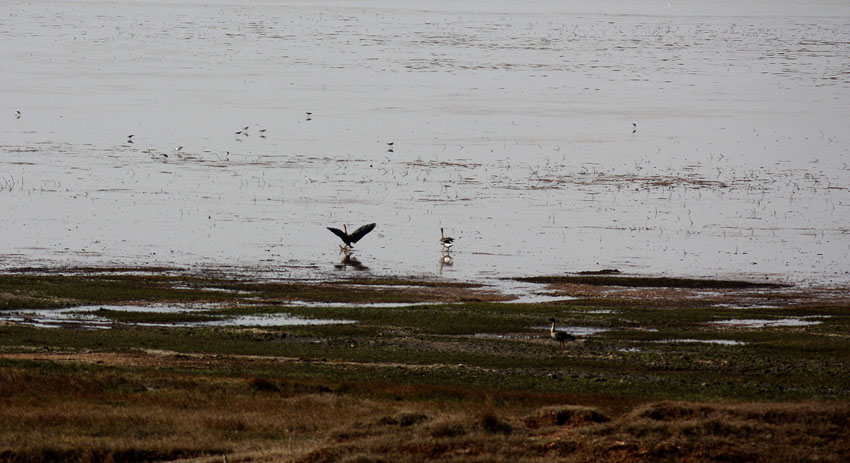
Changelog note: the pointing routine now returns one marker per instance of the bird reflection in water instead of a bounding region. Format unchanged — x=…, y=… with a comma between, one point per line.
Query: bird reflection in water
x=350, y=261
x=446, y=261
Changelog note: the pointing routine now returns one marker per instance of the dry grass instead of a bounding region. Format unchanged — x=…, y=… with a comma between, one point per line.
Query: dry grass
x=654, y=432
x=94, y=415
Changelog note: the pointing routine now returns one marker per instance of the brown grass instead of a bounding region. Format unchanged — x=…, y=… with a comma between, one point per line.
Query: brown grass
x=89, y=412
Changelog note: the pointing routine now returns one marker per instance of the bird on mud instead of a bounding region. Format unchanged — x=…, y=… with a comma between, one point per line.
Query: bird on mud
x=350, y=239
x=445, y=241
x=560, y=336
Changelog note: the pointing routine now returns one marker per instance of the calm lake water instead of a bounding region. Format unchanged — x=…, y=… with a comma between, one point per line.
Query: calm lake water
x=682, y=138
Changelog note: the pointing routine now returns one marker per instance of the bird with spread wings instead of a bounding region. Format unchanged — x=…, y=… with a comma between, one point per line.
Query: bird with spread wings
x=353, y=237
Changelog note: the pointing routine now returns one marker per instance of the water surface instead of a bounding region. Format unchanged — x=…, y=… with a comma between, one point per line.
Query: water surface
x=512, y=128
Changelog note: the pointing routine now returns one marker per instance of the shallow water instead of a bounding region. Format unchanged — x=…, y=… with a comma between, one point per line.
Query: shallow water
x=722, y=342
x=87, y=317
x=758, y=323
x=511, y=123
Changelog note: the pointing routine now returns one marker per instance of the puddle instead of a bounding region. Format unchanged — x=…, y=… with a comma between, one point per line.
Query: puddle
x=504, y=336
x=629, y=349
x=528, y=293
x=214, y=289
x=756, y=323
x=86, y=317
x=378, y=305
x=723, y=342
x=272, y=320
x=575, y=330
x=582, y=331
x=745, y=306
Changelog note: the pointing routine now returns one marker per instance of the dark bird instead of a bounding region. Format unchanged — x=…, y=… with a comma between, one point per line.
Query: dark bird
x=352, y=238
x=130, y=136
x=634, y=127
x=560, y=336
x=445, y=241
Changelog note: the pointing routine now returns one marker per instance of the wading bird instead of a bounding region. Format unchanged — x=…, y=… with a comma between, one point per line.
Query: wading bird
x=445, y=241
x=352, y=238
x=560, y=336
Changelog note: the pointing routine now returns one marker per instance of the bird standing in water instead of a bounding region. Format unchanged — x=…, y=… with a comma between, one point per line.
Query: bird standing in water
x=560, y=336
x=350, y=239
x=445, y=241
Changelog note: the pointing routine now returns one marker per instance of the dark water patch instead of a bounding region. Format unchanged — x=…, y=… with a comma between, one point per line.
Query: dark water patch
x=650, y=282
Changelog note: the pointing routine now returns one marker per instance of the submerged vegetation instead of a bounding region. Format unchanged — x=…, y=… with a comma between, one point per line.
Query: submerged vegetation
x=420, y=370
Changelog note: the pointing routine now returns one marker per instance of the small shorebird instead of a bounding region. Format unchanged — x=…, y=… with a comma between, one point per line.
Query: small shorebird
x=560, y=336
x=17, y=114
x=446, y=241
x=634, y=127
x=390, y=148
x=350, y=239
x=309, y=116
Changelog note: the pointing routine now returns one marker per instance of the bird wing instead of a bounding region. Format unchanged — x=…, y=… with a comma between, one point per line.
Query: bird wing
x=341, y=234
x=361, y=232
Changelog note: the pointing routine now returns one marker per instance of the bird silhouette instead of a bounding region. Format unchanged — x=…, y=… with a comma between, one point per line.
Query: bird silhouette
x=560, y=336
x=355, y=236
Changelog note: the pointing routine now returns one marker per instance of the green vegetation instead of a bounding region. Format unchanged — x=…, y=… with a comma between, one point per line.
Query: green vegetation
x=459, y=373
